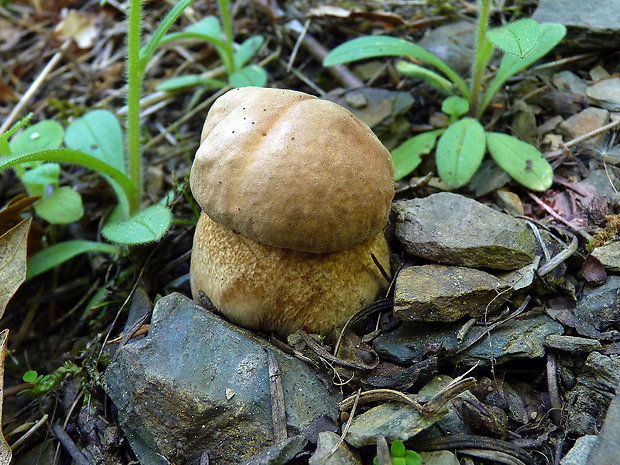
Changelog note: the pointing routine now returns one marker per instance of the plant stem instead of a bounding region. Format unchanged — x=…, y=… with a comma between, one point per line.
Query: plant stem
x=480, y=62
x=134, y=83
x=229, y=61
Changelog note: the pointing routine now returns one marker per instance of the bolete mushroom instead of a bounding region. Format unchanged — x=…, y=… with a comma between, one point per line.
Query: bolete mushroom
x=295, y=192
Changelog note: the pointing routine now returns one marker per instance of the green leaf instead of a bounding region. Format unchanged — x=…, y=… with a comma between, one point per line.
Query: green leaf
x=45, y=135
x=64, y=206
x=455, y=106
x=57, y=254
x=459, y=152
x=518, y=38
x=382, y=46
x=252, y=75
x=73, y=156
x=397, y=449
x=30, y=377
x=145, y=226
x=407, y=156
x=437, y=81
x=399, y=461
x=550, y=35
x=4, y=137
x=208, y=26
x=413, y=458
x=247, y=50
x=183, y=82
x=98, y=133
x=522, y=161
x=45, y=174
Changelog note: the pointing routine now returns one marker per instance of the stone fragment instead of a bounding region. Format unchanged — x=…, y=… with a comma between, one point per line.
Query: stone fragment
x=515, y=339
x=452, y=229
x=605, y=181
x=578, y=455
x=606, y=94
x=279, y=454
x=454, y=43
x=572, y=343
x=598, y=308
x=173, y=389
x=343, y=455
x=440, y=457
x=609, y=256
x=395, y=421
x=584, y=122
x=569, y=81
x=447, y=293
x=605, y=449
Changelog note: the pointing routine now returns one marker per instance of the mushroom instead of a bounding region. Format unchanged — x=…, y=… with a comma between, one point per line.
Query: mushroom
x=295, y=192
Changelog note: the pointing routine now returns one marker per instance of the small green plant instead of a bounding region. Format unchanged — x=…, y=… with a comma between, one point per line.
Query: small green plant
x=94, y=141
x=210, y=30
x=401, y=456
x=461, y=147
x=43, y=384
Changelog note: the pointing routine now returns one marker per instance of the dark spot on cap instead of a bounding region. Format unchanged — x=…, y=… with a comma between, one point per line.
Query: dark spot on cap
x=264, y=134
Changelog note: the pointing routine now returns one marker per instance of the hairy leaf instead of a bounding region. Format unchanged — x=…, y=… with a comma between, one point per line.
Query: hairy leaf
x=45, y=135
x=455, y=106
x=145, y=226
x=459, y=152
x=252, y=75
x=407, y=156
x=64, y=206
x=58, y=254
x=247, y=50
x=190, y=80
x=522, y=161
x=518, y=38
x=437, y=81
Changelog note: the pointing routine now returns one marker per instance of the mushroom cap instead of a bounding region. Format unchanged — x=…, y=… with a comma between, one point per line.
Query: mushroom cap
x=290, y=170
x=273, y=289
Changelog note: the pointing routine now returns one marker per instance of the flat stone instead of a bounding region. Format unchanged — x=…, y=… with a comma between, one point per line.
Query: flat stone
x=515, y=339
x=598, y=308
x=578, y=455
x=604, y=181
x=453, y=43
x=606, y=94
x=591, y=24
x=572, y=343
x=440, y=457
x=609, y=256
x=584, y=122
x=198, y=383
x=605, y=449
x=279, y=454
x=395, y=421
x=455, y=230
x=570, y=82
x=343, y=455
x=447, y=293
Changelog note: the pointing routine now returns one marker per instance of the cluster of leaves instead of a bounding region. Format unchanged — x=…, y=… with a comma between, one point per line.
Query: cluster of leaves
x=43, y=384
x=461, y=147
x=401, y=456
x=239, y=75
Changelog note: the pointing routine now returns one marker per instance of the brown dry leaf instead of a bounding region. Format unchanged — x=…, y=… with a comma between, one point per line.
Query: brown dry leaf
x=6, y=93
x=12, y=261
x=79, y=26
x=5, y=450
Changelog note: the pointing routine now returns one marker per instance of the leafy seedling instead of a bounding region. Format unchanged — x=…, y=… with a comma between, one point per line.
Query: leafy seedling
x=461, y=147
x=401, y=456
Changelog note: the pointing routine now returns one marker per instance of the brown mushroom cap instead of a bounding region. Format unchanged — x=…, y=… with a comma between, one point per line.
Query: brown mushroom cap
x=273, y=289
x=290, y=170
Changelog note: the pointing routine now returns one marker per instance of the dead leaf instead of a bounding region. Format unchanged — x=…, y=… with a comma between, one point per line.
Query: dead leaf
x=79, y=26
x=5, y=450
x=12, y=261
x=593, y=271
x=6, y=93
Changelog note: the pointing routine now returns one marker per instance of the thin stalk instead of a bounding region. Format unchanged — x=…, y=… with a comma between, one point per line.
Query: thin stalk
x=229, y=61
x=134, y=83
x=479, y=63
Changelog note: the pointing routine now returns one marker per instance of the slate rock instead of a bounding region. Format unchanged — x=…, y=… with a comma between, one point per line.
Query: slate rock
x=609, y=256
x=173, y=389
x=606, y=93
x=440, y=457
x=572, y=343
x=343, y=455
x=591, y=25
x=453, y=43
x=578, y=455
x=570, y=82
x=395, y=421
x=584, y=122
x=455, y=230
x=279, y=454
x=600, y=180
x=598, y=308
x=447, y=293
x=605, y=449
x=515, y=339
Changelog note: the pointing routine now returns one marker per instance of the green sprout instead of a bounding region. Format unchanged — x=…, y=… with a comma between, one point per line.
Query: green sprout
x=401, y=456
x=460, y=148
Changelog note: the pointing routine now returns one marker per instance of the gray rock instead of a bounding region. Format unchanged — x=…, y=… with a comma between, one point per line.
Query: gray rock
x=447, y=293
x=570, y=82
x=392, y=420
x=591, y=24
x=572, y=343
x=343, y=455
x=609, y=256
x=198, y=383
x=279, y=454
x=578, y=455
x=598, y=308
x=589, y=399
x=513, y=340
x=452, y=229
x=605, y=450
x=606, y=93
x=454, y=43
x=440, y=457
x=584, y=122
x=604, y=181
